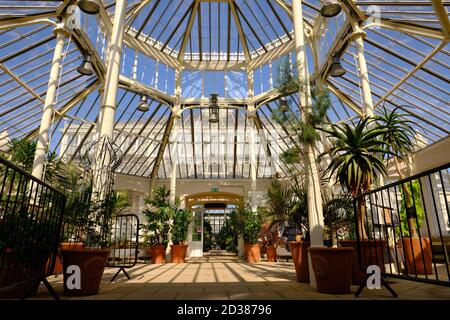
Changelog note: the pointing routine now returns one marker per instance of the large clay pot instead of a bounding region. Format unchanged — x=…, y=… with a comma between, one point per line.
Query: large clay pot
x=158, y=254
x=58, y=268
x=271, y=254
x=178, y=253
x=253, y=253
x=418, y=255
x=92, y=263
x=299, y=251
x=332, y=269
x=372, y=252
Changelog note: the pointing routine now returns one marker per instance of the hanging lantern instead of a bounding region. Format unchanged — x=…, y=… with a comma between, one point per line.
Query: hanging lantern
x=337, y=70
x=214, y=108
x=330, y=8
x=85, y=67
x=283, y=107
x=143, y=105
x=89, y=6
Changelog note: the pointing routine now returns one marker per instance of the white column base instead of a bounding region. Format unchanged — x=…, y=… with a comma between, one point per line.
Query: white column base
x=240, y=247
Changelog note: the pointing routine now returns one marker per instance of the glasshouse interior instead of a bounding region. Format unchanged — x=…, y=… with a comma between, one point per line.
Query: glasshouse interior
x=224, y=149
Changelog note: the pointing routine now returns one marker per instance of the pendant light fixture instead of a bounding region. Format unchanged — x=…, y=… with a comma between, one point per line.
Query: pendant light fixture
x=214, y=108
x=337, y=70
x=143, y=105
x=85, y=67
x=330, y=8
x=89, y=6
x=283, y=107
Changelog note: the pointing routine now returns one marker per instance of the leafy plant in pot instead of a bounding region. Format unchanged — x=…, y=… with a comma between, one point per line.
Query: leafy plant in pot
x=287, y=205
x=93, y=228
x=356, y=155
x=270, y=239
x=418, y=251
x=310, y=116
x=251, y=228
x=181, y=220
x=158, y=226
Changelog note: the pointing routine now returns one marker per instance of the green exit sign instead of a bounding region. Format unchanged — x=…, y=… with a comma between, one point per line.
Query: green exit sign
x=214, y=189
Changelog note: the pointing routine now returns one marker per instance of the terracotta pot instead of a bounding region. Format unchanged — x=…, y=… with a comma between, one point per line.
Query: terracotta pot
x=253, y=253
x=332, y=269
x=92, y=263
x=418, y=255
x=58, y=268
x=372, y=252
x=271, y=254
x=299, y=251
x=158, y=254
x=71, y=245
x=178, y=253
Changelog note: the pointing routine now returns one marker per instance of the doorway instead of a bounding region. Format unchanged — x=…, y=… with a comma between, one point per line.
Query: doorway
x=209, y=213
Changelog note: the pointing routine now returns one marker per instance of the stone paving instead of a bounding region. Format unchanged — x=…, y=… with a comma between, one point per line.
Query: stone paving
x=228, y=278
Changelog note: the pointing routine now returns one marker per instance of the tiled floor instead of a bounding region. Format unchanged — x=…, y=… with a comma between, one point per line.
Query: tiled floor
x=226, y=277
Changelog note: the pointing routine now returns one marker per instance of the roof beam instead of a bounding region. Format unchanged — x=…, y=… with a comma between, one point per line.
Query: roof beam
x=441, y=14
x=134, y=12
x=412, y=72
x=152, y=93
x=22, y=83
x=162, y=149
x=290, y=13
x=7, y=23
x=189, y=26
x=407, y=28
x=232, y=5
x=67, y=107
x=344, y=98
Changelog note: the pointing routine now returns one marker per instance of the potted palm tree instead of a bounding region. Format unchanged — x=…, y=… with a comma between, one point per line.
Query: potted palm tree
x=287, y=205
x=399, y=137
x=158, y=226
x=180, y=225
x=357, y=161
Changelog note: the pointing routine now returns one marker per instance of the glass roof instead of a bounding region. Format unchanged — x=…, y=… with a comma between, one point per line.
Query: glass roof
x=406, y=51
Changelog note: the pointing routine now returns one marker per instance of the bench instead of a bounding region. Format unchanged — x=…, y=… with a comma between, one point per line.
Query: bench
x=282, y=253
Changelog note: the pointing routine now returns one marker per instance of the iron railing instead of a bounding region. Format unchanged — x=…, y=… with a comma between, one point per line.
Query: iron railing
x=124, y=243
x=31, y=214
x=407, y=226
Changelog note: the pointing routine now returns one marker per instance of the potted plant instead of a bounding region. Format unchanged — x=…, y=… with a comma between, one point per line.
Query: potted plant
x=270, y=239
x=180, y=225
x=357, y=161
x=158, y=226
x=309, y=117
x=94, y=230
x=252, y=229
x=399, y=135
x=287, y=205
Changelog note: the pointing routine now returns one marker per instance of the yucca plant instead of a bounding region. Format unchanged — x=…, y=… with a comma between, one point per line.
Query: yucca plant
x=398, y=135
x=357, y=159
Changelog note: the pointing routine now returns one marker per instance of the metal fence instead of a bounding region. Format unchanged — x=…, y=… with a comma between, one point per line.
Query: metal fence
x=124, y=243
x=404, y=227
x=31, y=214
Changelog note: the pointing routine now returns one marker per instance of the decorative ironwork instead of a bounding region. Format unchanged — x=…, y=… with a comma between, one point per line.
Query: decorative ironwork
x=31, y=216
x=389, y=220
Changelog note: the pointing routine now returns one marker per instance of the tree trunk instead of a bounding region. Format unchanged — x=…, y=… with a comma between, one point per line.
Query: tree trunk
x=362, y=219
x=411, y=218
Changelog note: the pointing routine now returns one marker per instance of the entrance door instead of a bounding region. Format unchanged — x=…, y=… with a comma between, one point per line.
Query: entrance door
x=195, y=248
